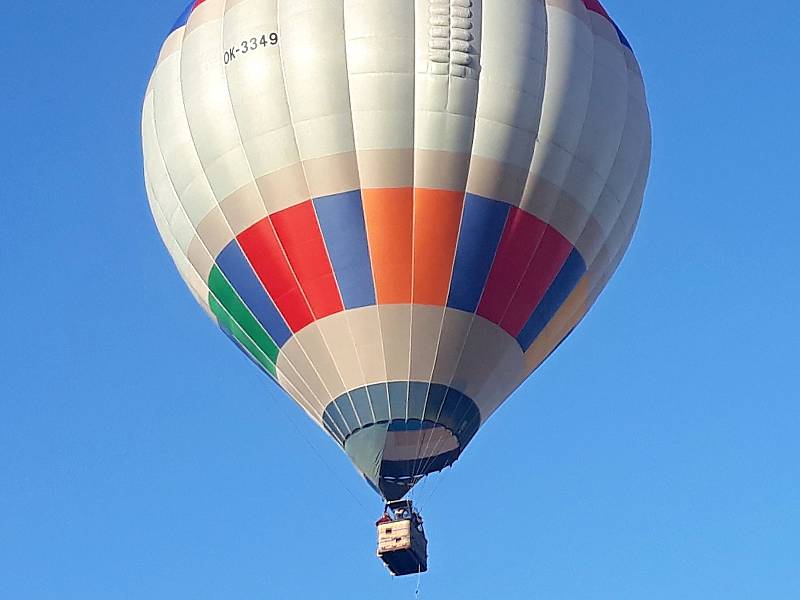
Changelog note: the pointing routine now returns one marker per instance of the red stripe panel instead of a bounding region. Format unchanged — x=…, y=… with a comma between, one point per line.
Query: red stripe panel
x=550, y=256
x=595, y=6
x=298, y=230
x=198, y=3
x=263, y=250
x=521, y=236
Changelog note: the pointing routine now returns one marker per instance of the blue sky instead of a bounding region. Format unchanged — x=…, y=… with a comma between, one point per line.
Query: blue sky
x=654, y=456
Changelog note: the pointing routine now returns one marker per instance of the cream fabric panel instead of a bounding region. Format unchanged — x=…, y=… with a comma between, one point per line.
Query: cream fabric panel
x=395, y=322
x=308, y=353
x=490, y=365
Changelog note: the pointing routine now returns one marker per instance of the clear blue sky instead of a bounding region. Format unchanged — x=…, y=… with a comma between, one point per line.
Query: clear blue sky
x=655, y=456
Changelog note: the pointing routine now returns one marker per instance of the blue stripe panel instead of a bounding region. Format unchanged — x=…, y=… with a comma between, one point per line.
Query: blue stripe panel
x=622, y=37
x=481, y=228
x=417, y=397
x=379, y=399
x=345, y=407
x=361, y=401
x=184, y=18
x=559, y=290
x=407, y=402
x=335, y=425
x=341, y=218
x=398, y=400
x=239, y=273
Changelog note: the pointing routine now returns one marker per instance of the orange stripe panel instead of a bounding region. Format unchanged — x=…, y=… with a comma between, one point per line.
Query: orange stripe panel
x=389, y=216
x=437, y=217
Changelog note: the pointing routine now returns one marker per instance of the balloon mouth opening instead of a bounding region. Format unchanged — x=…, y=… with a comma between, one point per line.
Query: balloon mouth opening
x=392, y=474
x=399, y=432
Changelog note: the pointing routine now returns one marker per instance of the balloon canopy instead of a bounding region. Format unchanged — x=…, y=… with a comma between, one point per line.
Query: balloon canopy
x=396, y=209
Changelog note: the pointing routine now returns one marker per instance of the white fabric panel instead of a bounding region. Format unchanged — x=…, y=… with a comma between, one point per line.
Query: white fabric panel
x=600, y=143
x=602, y=126
x=630, y=213
x=257, y=92
x=208, y=105
x=568, y=80
x=612, y=253
x=445, y=106
x=315, y=70
x=625, y=171
x=159, y=188
x=176, y=142
x=513, y=56
x=163, y=192
x=181, y=228
x=636, y=137
x=380, y=64
x=197, y=286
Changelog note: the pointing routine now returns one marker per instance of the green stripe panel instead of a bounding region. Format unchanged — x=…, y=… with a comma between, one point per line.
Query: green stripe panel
x=234, y=315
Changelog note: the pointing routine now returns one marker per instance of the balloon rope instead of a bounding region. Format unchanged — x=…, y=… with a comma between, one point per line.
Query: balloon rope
x=278, y=402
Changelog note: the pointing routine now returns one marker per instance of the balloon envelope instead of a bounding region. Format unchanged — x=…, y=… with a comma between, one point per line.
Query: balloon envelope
x=396, y=209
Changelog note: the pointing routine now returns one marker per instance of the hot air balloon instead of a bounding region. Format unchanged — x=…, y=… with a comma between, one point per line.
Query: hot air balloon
x=397, y=209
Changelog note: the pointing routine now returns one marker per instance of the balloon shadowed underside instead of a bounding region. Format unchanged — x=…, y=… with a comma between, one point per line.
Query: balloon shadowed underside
x=396, y=209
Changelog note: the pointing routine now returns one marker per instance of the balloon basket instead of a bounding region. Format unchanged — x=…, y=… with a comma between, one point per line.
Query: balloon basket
x=402, y=544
